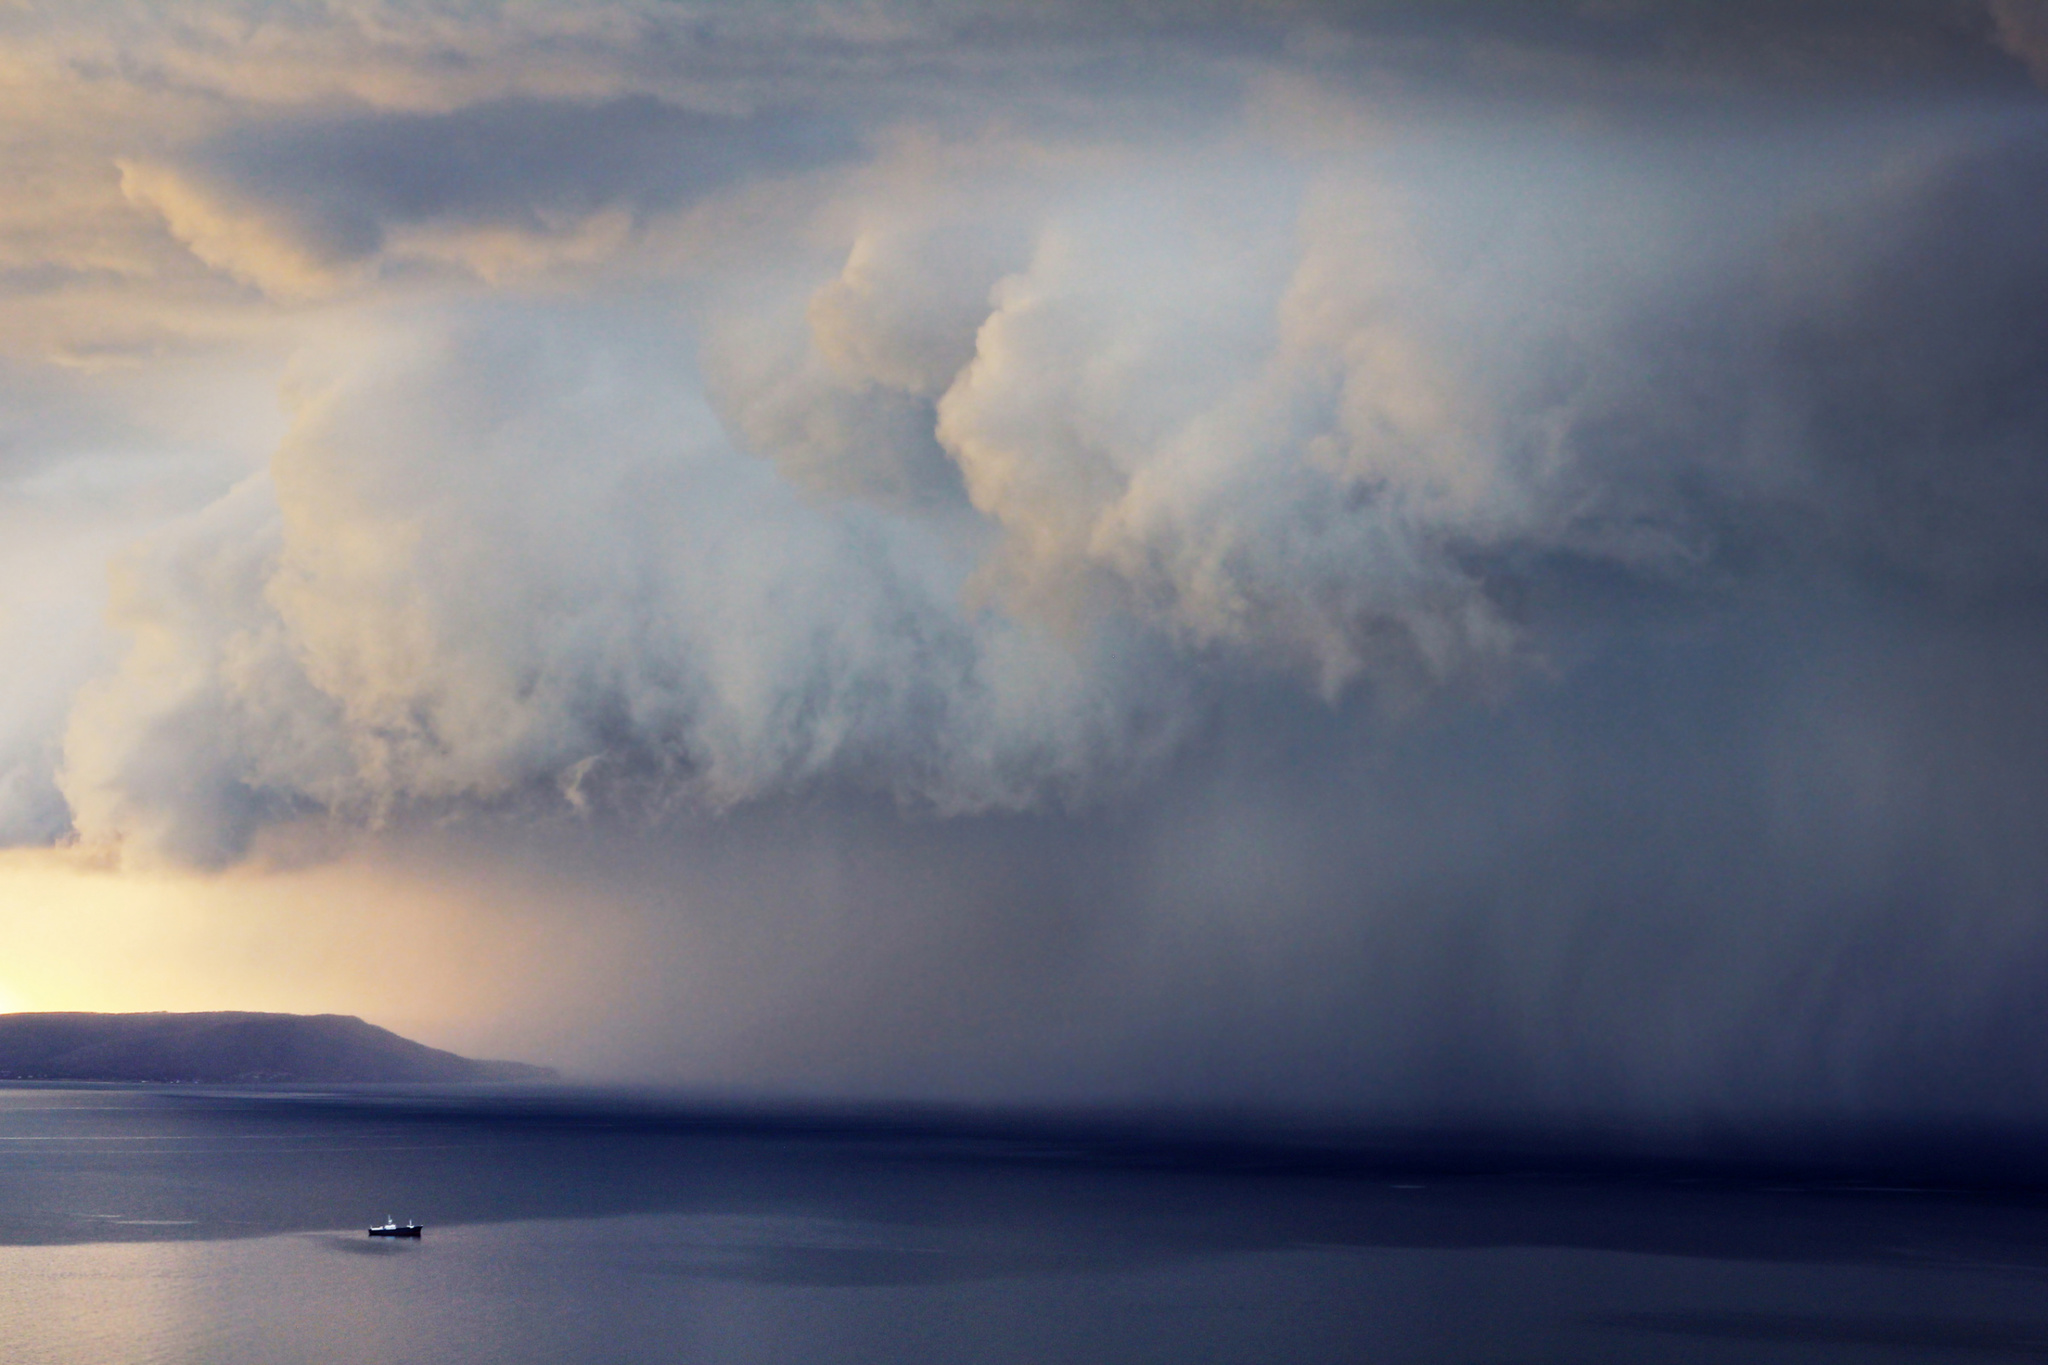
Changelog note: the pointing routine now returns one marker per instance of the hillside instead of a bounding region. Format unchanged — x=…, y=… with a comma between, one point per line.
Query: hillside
x=229, y=1046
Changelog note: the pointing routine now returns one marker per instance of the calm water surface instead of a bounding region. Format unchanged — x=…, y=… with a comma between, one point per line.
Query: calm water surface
x=161, y=1225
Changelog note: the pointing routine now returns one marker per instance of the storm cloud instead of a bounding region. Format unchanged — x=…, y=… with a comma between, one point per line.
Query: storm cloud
x=503, y=187
x=1456, y=555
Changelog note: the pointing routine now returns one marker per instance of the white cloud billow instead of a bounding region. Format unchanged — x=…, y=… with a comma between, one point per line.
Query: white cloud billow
x=658, y=439
x=487, y=570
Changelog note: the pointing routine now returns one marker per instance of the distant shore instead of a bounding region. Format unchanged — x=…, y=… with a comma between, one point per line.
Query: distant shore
x=230, y=1047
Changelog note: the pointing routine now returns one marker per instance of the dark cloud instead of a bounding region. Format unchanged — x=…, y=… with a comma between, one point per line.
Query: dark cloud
x=2022, y=27
x=1755, y=845
x=338, y=187
x=1746, y=865
x=337, y=183
x=1077, y=444
x=1227, y=551
x=1912, y=373
x=1860, y=393
x=1600, y=51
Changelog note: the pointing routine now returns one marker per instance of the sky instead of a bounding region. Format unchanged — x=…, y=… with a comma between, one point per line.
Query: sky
x=1432, y=560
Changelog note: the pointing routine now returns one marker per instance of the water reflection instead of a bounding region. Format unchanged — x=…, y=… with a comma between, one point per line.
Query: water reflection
x=1948, y=1335
x=229, y=1228
x=354, y=1244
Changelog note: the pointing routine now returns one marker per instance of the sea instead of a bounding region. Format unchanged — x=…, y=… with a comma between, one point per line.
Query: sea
x=228, y=1226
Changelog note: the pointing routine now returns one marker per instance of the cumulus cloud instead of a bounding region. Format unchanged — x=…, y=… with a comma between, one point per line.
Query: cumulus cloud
x=1040, y=470
x=1306, y=417
x=482, y=567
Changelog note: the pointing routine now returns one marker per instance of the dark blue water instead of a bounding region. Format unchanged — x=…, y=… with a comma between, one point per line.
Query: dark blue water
x=159, y=1224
